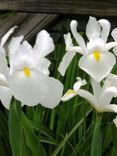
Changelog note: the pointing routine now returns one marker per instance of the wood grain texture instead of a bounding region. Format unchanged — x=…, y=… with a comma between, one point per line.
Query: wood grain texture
x=83, y=7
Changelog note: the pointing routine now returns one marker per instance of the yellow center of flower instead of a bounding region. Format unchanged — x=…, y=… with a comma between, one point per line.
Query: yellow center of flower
x=26, y=71
x=97, y=55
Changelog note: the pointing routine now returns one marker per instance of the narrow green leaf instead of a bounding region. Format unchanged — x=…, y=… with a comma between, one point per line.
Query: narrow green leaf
x=96, y=142
x=15, y=128
x=31, y=139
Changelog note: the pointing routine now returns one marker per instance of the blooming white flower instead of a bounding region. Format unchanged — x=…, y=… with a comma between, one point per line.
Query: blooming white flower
x=5, y=92
x=101, y=97
x=96, y=52
x=29, y=78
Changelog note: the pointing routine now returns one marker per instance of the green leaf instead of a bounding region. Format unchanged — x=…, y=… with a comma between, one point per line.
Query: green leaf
x=15, y=128
x=31, y=139
x=96, y=142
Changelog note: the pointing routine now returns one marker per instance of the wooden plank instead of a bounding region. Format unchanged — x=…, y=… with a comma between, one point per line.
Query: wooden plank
x=83, y=7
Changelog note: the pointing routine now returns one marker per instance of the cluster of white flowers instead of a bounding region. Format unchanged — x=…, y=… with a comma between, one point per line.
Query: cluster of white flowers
x=27, y=75
x=97, y=61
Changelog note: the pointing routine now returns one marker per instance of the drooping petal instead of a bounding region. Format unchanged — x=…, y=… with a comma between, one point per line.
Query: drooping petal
x=92, y=28
x=107, y=95
x=77, y=36
x=68, y=95
x=89, y=97
x=5, y=96
x=110, y=108
x=35, y=89
x=44, y=44
x=96, y=88
x=97, y=69
x=105, y=24
x=54, y=87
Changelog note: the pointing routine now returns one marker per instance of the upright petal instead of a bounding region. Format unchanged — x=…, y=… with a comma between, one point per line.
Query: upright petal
x=105, y=24
x=14, y=45
x=77, y=36
x=44, y=44
x=114, y=34
x=96, y=88
x=97, y=69
x=6, y=36
x=92, y=28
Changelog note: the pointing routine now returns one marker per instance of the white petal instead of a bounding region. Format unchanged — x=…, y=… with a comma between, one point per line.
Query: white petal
x=111, y=81
x=66, y=60
x=77, y=36
x=115, y=50
x=68, y=95
x=3, y=64
x=110, y=45
x=105, y=24
x=6, y=36
x=114, y=34
x=35, y=88
x=88, y=96
x=96, y=44
x=110, y=108
x=96, y=88
x=115, y=121
x=92, y=28
x=98, y=70
x=107, y=95
x=79, y=83
x=44, y=44
x=44, y=65
x=5, y=96
x=3, y=81
x=14, y=45
x=53, y=94
x=68, y=40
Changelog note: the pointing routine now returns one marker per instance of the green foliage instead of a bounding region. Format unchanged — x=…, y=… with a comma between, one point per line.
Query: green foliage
x=71, y=129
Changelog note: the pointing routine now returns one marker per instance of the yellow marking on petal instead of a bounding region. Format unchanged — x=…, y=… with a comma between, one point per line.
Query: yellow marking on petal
x=97, y=55
x=26, y=71
x=70, y=91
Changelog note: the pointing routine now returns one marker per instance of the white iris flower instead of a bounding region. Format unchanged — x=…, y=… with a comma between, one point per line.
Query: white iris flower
x=97, y=61
x=101, y=97
x=28, y=77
